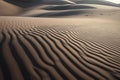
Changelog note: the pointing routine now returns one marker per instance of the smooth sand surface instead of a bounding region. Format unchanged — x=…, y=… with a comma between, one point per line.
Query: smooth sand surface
x=73, y=11
x=8, y=9
x=61, y=42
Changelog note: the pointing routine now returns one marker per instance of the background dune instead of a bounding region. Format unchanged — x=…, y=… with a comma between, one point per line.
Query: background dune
x=27, y=3
x=102, y=2
x=73, y=10
x=8, y=9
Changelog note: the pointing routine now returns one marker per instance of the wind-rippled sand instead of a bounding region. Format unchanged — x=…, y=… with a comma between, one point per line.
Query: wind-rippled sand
x=59, y=40
x=39, y=49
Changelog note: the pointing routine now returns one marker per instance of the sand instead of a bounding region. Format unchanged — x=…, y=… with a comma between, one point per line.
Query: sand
x=65, y=42
x=8, y=9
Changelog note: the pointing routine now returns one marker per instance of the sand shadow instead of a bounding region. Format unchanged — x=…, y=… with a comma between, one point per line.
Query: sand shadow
x=67, y=7
x=60, y=14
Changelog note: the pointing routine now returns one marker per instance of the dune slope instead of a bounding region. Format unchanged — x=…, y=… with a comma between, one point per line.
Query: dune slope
x=39, y=49
x=59, y=40
x=8, y=9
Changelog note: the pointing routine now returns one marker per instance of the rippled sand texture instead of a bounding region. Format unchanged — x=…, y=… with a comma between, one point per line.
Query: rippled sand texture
x=39, y=49
x=59, y=40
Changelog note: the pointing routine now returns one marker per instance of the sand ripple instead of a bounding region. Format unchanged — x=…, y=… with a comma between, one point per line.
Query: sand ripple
x=42, y=53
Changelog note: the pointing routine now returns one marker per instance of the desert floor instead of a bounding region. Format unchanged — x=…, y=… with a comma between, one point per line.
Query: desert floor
x=59, y=42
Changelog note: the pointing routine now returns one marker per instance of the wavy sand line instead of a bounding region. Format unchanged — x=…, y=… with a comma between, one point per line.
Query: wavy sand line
x=46, y=52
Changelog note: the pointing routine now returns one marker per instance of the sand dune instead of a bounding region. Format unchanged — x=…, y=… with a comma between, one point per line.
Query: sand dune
x=31, y=3
x=101, y=2
x=59, y=40
x=39, y=49
x=72, y=10
x=30, y=8
x=8, y=9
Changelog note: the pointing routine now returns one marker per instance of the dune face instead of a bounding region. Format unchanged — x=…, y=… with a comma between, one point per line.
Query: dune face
x=32, y=3
x=8, y=9
x=59, y=40
x=73, y=11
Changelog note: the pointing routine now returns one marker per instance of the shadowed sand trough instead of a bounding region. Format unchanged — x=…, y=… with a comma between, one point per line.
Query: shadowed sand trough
x=39, y=49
